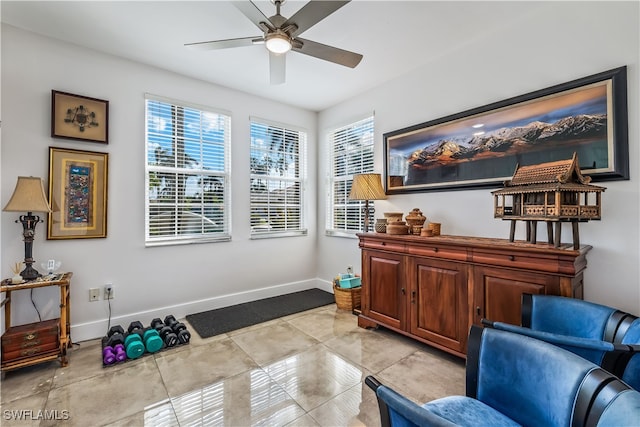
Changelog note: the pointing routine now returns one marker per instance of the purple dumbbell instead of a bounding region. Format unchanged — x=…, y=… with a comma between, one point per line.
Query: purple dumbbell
x=121, y=354
x=108, y=355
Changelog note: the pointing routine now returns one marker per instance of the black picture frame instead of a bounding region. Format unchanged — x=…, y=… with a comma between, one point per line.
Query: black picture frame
x=481, y=147
x=79, y=118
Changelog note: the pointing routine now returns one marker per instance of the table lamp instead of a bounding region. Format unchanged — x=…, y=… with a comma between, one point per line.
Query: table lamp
x=29, y=197
x=367, y=186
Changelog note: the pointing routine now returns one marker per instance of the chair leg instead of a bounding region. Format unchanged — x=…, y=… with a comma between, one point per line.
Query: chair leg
x=373, y=383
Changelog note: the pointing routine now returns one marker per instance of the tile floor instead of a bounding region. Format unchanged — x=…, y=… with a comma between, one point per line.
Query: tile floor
x=305, y=369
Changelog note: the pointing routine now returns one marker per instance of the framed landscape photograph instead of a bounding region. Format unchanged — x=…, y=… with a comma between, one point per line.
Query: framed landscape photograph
x=79, y=117
x=78, y=194
x=481, y=147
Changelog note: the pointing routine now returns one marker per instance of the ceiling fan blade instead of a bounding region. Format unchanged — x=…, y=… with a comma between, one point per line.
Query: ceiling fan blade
x=252, y=12
x=224, y=44
x=312, y=13
x=328, y=53
x=277, y=70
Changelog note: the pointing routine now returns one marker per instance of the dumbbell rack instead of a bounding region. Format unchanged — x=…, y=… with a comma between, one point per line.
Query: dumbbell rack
x=105, y=342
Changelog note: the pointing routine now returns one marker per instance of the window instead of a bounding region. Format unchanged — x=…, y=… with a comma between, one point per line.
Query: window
x=277, y=180
x=187, y=173
x=351, y=153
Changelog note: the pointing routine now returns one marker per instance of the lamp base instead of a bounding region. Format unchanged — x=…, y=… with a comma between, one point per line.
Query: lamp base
x=29, y=273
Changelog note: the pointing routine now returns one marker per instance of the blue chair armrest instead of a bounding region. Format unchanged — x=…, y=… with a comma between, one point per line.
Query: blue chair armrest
x=398, y=411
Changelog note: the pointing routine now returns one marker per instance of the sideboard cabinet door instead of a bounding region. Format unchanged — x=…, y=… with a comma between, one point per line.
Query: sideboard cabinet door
x=498, y=292
x=439, y=308
x=383, y=299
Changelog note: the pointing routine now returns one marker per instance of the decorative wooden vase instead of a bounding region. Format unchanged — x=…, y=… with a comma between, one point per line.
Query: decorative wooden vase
x=415, y=220
x=381, y=225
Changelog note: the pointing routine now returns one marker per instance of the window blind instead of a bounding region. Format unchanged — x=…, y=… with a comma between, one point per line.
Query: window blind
x=278, y=171
x=351, y=153
x=187, y=173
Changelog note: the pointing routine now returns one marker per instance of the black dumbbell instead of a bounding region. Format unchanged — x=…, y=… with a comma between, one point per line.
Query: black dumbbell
x=183, y=333
x=168, y=336
x=157, y=324
x=179, y=329
x=114, y=350
x=115, y=335
x=170, y=320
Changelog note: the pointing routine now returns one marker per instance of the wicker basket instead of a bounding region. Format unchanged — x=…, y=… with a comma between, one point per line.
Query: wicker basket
x=347, y=299
x=435, y=227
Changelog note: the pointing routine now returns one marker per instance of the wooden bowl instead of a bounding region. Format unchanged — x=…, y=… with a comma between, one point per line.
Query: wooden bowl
x=393, y=228
x=426, y=232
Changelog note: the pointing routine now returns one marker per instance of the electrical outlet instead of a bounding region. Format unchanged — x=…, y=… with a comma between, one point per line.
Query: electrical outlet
x=94, y=294
x=108, y=291
x=350, y=269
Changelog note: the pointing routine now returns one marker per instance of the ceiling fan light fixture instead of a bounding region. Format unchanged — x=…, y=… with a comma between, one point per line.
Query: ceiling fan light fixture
x=278, y=43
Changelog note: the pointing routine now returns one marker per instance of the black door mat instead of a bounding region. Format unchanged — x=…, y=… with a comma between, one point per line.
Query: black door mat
x=227, y=319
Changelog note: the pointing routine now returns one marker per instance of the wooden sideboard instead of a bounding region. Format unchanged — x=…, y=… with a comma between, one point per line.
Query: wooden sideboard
x=434, y=288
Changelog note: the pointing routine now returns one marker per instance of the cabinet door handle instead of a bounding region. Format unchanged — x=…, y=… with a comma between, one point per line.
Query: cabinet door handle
x=478, y=310
x=404, y=292
x=413, y=297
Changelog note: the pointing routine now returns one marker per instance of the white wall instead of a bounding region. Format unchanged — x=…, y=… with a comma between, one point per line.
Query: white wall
x=148, y=282
x=560, y=42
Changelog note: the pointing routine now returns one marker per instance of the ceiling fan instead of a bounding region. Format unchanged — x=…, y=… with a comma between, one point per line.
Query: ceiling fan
x=280, y=35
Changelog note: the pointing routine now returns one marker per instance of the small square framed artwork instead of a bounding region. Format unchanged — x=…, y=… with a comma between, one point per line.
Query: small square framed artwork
x=79, y=117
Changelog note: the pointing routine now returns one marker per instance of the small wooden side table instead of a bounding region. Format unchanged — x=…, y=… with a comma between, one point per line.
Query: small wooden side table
x=62, y=280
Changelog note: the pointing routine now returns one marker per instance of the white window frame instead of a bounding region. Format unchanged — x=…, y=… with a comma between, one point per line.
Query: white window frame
x=222, y=175
x=359, y=158
x=275, y=178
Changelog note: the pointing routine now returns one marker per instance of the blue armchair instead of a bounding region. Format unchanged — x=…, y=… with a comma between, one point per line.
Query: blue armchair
x=603, y=335
x=513, y=380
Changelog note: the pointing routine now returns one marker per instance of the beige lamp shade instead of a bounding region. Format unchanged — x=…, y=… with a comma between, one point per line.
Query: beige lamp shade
x=28, y=196
x=367, y=186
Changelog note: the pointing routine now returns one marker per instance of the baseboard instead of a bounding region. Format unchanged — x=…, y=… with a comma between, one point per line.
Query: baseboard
x=96, y=329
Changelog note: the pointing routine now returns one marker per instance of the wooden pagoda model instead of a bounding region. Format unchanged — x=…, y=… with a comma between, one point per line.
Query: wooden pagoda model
x=553, y=192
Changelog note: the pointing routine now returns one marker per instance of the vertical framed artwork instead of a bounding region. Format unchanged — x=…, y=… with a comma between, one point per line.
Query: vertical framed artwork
x=78, y=194
x=79, y=117
x=481, y=147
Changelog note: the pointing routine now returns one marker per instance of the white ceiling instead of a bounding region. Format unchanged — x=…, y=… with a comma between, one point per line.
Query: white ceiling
x=395, y=37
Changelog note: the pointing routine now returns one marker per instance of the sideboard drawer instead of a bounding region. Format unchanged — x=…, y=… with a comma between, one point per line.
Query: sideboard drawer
x=516, y=260
x=383, y=246
x=438, y=251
